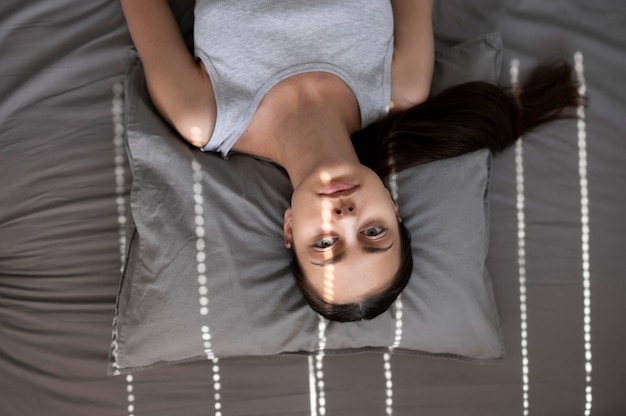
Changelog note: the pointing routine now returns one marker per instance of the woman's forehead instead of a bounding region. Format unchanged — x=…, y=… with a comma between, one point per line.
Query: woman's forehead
x=357, y=276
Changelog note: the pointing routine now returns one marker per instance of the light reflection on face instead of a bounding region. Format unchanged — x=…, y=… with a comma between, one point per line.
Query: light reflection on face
x=348, y=242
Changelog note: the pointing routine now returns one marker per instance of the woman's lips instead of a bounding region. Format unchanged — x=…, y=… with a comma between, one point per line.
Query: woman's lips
x=339, y=189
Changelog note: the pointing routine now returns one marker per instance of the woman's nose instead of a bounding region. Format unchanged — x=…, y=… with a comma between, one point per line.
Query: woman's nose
x=347, y=209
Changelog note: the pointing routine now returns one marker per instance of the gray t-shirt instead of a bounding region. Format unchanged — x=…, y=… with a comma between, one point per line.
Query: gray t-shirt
x=249, y=46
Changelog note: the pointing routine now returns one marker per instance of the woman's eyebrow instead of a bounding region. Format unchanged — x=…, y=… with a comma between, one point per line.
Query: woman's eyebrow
x=331, y=260
x=368, y=249
x=339, y=257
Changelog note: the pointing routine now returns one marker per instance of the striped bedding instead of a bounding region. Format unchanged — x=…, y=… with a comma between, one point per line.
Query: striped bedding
x=558, y=233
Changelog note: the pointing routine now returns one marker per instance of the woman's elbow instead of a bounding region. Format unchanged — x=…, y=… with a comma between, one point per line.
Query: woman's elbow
x=190, y=109
x=194, y=123
x=196, y=131
x=409, y=96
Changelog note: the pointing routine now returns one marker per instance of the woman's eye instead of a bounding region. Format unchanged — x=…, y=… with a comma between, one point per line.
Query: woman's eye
x=374, y=231
x=324, y=243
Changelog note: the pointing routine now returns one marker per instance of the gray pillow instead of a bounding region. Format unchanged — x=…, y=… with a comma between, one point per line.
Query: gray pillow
x=207, y=273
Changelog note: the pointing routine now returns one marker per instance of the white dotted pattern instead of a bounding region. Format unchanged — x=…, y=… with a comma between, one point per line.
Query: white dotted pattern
x=120, y=160
x=387, y=357
x=584, y=209
x=398, y=306
x=316, y=373
x=312, y=388
x=117, y=109
x=203, y=290
x=388, y=384
x=521, y=254
x=131, y=395
x=399, y=323
x=393, y=188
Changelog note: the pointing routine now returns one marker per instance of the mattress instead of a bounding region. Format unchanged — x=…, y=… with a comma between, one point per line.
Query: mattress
x=556, y=254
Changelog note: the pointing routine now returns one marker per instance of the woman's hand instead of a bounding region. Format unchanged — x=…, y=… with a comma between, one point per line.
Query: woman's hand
x=414, y=53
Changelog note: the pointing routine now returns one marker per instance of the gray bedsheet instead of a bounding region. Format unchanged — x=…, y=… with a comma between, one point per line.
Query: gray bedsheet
x=557, y=252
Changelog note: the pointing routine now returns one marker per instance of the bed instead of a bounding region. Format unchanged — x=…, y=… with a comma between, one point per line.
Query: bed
x=556, y=238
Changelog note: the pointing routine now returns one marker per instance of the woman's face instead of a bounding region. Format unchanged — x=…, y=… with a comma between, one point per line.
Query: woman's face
x=343, y=225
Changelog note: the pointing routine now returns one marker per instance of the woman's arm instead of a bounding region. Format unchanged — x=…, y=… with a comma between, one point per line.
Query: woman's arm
x=414, y=53
x=179, y=87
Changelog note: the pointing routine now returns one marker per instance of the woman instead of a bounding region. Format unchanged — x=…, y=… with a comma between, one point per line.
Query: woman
x=295, y=83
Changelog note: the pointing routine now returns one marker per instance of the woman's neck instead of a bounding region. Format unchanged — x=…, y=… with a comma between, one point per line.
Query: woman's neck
x=303, y=123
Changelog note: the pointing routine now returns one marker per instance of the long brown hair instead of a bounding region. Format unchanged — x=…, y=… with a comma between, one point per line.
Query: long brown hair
x=459, y=120
x=467, y=117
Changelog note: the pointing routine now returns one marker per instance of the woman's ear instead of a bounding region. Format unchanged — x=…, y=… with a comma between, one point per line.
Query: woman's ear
x=397, y=212
x=287, y=229
x=395, y=206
